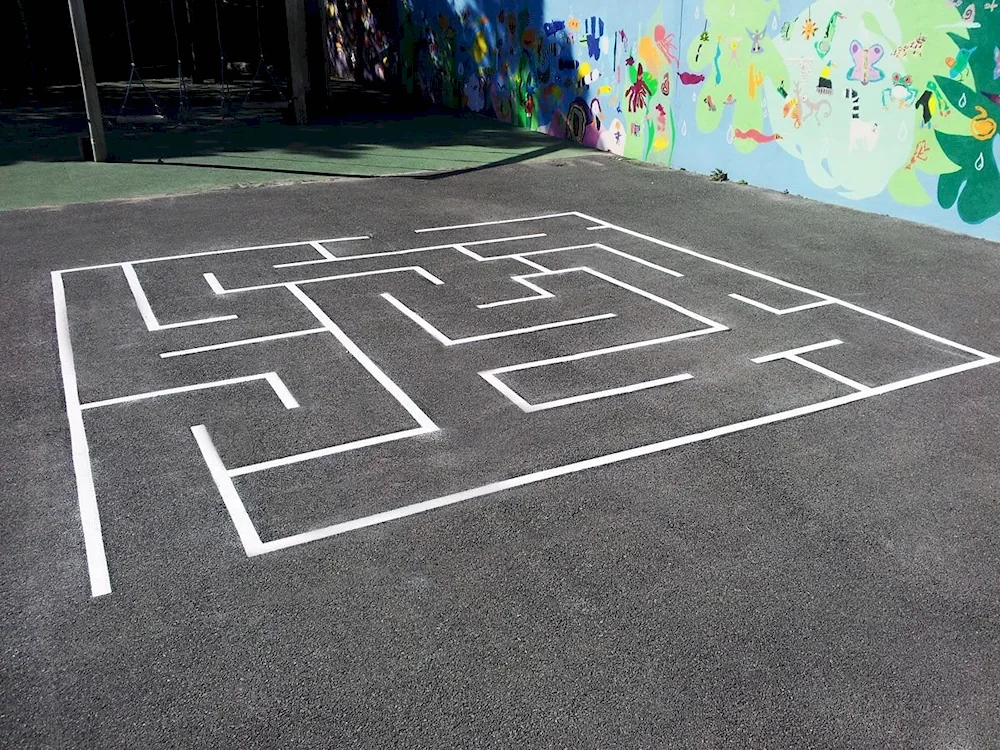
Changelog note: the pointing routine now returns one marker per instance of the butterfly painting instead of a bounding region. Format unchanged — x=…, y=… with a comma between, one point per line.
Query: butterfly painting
x=865, y=58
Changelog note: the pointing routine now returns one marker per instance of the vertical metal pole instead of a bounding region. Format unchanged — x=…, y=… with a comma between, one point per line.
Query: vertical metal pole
x=83, y=55
x=295, y=14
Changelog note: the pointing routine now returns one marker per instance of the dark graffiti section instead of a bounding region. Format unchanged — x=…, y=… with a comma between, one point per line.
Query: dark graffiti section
x=363, y=40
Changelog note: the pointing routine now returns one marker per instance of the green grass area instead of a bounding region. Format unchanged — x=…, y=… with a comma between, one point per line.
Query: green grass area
x=41, y=164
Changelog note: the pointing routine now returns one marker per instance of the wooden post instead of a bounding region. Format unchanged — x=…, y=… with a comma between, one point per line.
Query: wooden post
x=295, y=15
x=83, y=55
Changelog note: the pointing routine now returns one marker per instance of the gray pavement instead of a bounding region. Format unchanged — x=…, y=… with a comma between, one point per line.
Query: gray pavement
x=391, y=550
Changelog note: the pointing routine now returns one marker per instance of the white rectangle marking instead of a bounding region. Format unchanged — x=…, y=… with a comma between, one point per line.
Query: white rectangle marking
x=241, y=342
x=270, y=377
x=539, y=294
x=610, y=350
x=786, y=311
x=605, y=460
x=495, y=223
x=141, y=302
x=147, y=312
x=828, y=373
x=207, y=253
x=988, y=358
x=593, y=396
x=219, y=289
x=446, y=341
x=409, y=251
x=90, y=517
x=331, y=451
x=230, y=497
x=363, y=359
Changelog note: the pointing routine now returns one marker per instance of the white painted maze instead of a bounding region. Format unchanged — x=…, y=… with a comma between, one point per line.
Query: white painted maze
x=475, y=359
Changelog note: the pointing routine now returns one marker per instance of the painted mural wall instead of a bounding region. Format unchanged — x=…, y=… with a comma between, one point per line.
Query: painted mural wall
x=884, y=105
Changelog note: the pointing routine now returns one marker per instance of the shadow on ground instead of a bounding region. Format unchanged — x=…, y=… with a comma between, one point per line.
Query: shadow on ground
x=42, y=160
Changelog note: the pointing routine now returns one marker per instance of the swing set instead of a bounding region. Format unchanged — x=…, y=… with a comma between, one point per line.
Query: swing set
x=184, y=111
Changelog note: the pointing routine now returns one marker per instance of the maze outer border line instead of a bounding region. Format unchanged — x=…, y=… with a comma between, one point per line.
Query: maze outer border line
x=90, y=517
x=657, y=447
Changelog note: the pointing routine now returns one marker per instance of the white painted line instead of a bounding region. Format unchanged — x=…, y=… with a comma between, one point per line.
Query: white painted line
x=241, y=342
x=530, y=263
x=540, y=252
x=987, y=358
x=709, y=258
x=203, y=321
x=271, y=378
x=509, y=393
x=606, y=460
x=546, y=272
x=320, y=244
x=213, y=283
x=799, y=350
x=640, y=261
x=206, y=253
x=635, y=290
x=90, y=517
x=495, y=223
x=326, y=255
x=230, y=497
x=609, y=350
x=323, y=251
x=147, y=312
x=600, y=226
x=595, y=245
x=219, y=289
x=333, y=450
x=828, y=373
x=362, y=256
x=446, y=341
x=469, y=254
x=389, y=253
x=990, y=359
x=792, y=355
x=787, y=310
x=363, y=359
x=593, y=396
x=540, y=294
x=141, y=302
x=503, y=239
x=282, y=390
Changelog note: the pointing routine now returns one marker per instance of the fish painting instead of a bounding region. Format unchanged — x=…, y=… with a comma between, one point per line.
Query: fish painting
x=691, y=79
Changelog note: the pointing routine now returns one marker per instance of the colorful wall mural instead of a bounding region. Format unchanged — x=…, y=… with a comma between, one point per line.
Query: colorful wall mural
x=885, y=105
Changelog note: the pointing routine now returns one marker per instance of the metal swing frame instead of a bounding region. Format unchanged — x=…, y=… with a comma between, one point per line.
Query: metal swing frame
x=134, y=74
x=225, y=101
x=184, y=99
x=261, y=63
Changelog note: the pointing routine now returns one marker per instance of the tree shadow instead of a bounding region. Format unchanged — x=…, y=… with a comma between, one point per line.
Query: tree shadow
x=418, y=73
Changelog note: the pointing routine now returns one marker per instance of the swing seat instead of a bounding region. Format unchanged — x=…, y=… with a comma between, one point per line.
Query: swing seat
x=140, y=119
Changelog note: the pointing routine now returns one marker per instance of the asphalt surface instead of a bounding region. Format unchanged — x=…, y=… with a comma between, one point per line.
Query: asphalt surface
x=829, y=580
